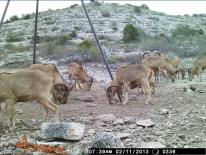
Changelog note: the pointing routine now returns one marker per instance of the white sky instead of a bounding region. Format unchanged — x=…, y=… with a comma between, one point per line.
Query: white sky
x=168, y=7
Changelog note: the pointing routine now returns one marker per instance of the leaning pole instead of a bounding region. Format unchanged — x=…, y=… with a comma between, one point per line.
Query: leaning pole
x=98, y=44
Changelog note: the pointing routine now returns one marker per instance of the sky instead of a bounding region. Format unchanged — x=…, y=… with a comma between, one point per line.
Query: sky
x=169, y=7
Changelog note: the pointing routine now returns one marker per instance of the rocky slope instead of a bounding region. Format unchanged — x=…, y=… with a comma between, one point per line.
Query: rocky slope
x=108, y=19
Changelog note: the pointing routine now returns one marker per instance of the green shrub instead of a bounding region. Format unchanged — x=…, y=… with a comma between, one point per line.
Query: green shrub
x=38, y=40
x=96, y=3
x=77, y=28
x=16, y=48
x=162, y=34
x=137, y=9
x=105, y=14
x=54, y=28
x=14, y=37
x=63, y=39
x=144, y=6
x=73, y=6
x=73, y=34
x=130, y=33
x=114, y=25
x=112, y=59
x=186, y=30
x=49, y=22
x=27, y=16
x=13, y=18
x=86, y=44
x=9, y=46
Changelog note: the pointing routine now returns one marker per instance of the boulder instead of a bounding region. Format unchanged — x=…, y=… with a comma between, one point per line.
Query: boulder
x=62, y=130
x=106, y=140
x=145, y=123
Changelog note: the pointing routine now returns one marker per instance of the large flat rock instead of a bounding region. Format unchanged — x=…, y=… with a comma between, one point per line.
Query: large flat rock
x=62, y=130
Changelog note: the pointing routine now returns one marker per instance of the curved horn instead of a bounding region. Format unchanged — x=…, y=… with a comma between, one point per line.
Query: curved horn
x=157, y=53
x=67, y=87
x=111, y=87
x=145, y=53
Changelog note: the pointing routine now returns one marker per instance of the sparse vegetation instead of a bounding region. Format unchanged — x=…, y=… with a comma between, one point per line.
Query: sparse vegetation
x=13, y=18
x=96, y=3
x=54, y=28
x=105, y=14
x=27, y=16
x=14, y=37
x=186, y=30
x=112, y=59
x=130, y=33
x=73, y=34
x=85, y=44
x=73, y=6
x=137, y=9
x=144, y=6
x=114, y=25
x=16, y=48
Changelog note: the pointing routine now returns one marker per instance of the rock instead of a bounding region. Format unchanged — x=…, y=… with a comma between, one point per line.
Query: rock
x=202, y=118
x=201, y=91
x=129, y=120
x=106, y=118
x=118, y=121
x=106, y=140
x=36, y=135
x=123, y=135
x=91, y=131
x=108, y=130
x=151, y=145
x=164, y=111
x=91, y=105
x=85, y=98
x=62, y=130
x=75, y=151
x=6, y=151
x=182, y=137
x=134, y=126
x=19, y=111
x=145, y=123
x=86, y=119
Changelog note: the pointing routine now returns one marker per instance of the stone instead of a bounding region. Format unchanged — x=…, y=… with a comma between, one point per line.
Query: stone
x=118, y=121
x=62, y=130
x=145, y=123
x=85, y=98
x=129, y=120
x=106, y=118
x=151, y=145
x=123, y=135
x=106, y=140
x=91, y=131
x=86, y=119
x=164, y=111
x=19, y=111
x=133, y=126
x=91, y=105
x=182, y=137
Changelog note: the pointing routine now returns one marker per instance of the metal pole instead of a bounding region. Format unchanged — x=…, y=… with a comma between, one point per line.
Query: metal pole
x=4, y=13
x=35, y=32
x=97, y=40
x=99, y=46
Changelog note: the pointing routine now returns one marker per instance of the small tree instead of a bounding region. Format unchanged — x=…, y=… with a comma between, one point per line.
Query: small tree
x=13, y=18
x=130, y=33
x=137, y=9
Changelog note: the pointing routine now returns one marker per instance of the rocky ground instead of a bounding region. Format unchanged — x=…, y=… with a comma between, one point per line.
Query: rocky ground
x=176, y=118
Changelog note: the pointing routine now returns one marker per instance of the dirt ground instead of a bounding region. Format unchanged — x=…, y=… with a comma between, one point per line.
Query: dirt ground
x=182, y=125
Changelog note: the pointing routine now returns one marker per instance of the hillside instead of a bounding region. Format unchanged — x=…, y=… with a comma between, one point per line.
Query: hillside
x=70, y=27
